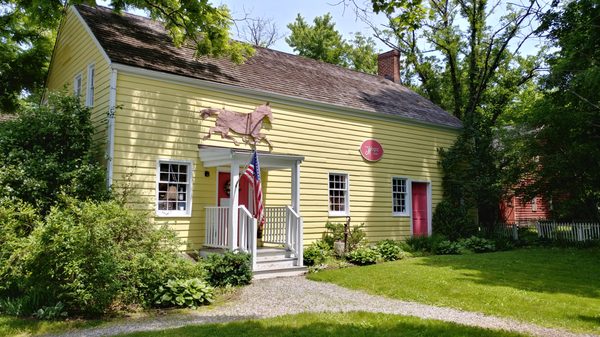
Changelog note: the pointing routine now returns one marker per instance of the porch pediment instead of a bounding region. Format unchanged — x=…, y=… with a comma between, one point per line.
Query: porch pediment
x=213, y=156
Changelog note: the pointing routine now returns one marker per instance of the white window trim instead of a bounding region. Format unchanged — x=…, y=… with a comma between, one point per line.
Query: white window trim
x=408, y=199
x=76, y=90
x=347, y=201
x=90, y=86
x=175, y=213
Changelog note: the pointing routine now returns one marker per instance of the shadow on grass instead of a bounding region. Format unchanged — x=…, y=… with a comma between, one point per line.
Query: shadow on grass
x=315, y=325
x=556, y=270
x=17, y=326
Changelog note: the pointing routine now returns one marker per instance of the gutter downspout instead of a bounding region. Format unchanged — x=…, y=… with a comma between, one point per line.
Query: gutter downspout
x=110, y=144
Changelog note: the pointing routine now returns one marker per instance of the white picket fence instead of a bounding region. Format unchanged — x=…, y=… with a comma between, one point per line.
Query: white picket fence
x=568, y=231
x=552, y=230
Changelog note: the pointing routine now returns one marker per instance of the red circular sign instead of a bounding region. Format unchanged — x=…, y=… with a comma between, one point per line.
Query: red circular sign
x=371, y=150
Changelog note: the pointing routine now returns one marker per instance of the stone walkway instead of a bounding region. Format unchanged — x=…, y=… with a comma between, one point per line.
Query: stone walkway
x=283, y=296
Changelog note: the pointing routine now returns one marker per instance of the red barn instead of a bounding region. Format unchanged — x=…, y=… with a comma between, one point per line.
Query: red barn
x=519, y=210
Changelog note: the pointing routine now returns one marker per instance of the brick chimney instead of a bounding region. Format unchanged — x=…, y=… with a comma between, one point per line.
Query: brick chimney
x=388, y=65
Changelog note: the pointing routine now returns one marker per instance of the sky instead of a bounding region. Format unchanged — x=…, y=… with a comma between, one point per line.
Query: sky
x=283, y=12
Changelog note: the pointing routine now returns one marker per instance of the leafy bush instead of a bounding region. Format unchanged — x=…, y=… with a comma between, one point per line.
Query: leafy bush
x=478, y=245
x=51, y=313
x=91, y=256
x=229, y=269
x=452, y=221
x=425, y=244
x=363, y=256
x=14, y=306
x=335, y=232
x=389, y=250
x=448, y=248
x=48, y=149
x=189, y=293
x=316, y=253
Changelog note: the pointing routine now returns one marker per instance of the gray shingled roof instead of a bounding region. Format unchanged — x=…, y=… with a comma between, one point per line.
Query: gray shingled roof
x=140, y=42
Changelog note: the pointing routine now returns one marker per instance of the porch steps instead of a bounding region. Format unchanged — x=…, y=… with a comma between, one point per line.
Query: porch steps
x=276, y=262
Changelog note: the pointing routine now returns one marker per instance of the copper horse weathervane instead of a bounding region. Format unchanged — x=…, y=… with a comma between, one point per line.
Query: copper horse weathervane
x=246, y=124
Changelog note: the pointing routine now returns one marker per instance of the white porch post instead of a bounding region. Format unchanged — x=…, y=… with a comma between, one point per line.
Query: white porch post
x=296, y=186
x=234, y=199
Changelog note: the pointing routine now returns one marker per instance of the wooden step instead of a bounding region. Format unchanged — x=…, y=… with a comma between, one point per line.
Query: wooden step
x=275, y=263
x=283, y=272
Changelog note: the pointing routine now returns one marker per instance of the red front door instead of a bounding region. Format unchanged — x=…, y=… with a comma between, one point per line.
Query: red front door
x=225, y=188
x=420, y=209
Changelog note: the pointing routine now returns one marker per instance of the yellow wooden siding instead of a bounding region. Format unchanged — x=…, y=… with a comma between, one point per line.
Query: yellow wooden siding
x=74, y=51
x=160, y=120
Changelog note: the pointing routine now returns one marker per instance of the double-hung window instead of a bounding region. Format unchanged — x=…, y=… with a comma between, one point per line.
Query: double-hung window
x=174, y=188
x=338, y=194
x=77, y=83
x=399, y=196
x=91, y=78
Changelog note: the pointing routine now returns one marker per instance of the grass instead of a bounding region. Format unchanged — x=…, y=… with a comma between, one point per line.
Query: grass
x=11, y=326
x=546, y=286
x=330, y=324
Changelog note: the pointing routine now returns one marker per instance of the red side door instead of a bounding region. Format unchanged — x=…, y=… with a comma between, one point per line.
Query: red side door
x=225, y=188
x=420, y=209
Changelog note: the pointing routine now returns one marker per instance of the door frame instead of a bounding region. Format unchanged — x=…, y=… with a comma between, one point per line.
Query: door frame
x=429, y=212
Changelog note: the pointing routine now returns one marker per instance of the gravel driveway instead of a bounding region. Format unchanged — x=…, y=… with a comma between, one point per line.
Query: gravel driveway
x=282, y=296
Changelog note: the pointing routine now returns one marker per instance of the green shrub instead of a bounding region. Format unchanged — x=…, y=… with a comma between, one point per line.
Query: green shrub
x=335, y=232
x=452, y=221
x=51, y=313
x=389, y=250
x=316, y=253
x=363, y=256
x=478, y=245
x=48, y=149
x=15, y=306
x=189, y=293
x=90, y=256
x=426, y=244
x=448, y=248
x=229, y=269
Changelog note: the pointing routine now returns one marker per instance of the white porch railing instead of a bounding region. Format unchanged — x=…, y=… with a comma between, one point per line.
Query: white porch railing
x=217, y=220
x=247, y=229
x=283, y=226
x=276, y=225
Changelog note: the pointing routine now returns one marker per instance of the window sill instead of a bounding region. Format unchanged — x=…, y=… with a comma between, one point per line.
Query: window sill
x=338, y=215
x=164, y=214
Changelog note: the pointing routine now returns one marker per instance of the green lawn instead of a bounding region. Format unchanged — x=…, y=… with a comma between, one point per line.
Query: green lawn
x=328, y=324
x=546, y=286
x=13, y=326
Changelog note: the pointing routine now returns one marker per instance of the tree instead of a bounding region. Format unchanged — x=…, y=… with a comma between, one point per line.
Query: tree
x=564, y=127
x=47, y=150
x=458, y=59
x=29, y=30
x=321, y=41
x=260, y=32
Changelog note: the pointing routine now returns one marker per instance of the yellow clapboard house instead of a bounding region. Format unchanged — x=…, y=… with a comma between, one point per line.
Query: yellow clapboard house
x=147, y=98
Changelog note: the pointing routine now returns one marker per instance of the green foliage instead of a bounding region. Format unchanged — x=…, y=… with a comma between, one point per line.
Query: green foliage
x=14, y=306
x=389, y=250
x=562, y=142
x=229, y=269
x=452, y=221
x=89, y=256
x=189, y=293
x=478, y=245
x=48, y=150
x=51, y=313
x=447, y=247
x=321, y=41
x=30, y=28
x=316, y=253
x=364, y=256
x=426, y=244
x=335, y=232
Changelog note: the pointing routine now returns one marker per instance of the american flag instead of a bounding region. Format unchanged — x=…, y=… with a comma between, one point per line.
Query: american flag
x=253, y=174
